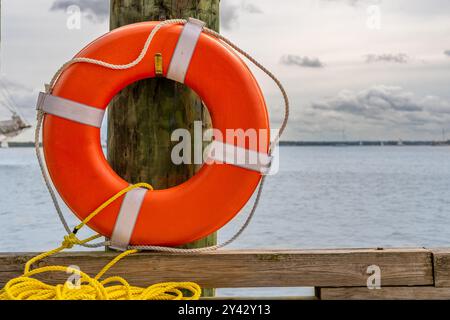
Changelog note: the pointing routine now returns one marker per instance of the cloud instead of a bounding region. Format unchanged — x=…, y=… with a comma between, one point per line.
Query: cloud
x=354, y=3
x=95, y=10
x=387, y=104
x=308, y=62
x=251, y=8
x=229, y=15
x=447, y=52
x=371, y=102
x=387, y=57
x=230, y=12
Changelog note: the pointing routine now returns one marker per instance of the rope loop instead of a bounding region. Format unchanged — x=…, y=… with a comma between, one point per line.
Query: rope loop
x=26, y=287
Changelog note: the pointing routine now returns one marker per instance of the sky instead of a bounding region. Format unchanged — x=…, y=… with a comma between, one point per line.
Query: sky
x=353, y=69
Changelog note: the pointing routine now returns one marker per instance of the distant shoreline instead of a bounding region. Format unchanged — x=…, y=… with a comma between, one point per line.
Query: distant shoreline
x=369, y=143
x=314, y=143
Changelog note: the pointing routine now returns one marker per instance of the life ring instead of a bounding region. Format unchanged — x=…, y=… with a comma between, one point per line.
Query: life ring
x=82, y=175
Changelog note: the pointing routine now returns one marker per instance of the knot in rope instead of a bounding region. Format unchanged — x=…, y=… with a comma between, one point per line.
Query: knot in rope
x=70, y=240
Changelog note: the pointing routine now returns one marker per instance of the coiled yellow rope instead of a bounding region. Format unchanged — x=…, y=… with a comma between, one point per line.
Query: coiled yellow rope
x=26, y=287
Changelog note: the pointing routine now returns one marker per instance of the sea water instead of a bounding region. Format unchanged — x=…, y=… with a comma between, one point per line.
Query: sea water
x=322, y=197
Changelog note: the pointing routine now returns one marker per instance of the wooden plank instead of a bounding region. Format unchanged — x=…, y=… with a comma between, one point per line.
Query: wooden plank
x=222, y=269
x=441, y=264
x=304, y=298
x=385, y=293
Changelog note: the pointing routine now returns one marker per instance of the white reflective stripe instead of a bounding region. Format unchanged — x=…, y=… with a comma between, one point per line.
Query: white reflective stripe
x=237, y=156
x=184, y=50
x=126, y=219
x=70, y=110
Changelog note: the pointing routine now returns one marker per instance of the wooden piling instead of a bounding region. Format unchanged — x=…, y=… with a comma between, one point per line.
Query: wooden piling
x=143, y=116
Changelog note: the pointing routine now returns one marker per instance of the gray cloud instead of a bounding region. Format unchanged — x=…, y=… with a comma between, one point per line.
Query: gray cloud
x=301, y=61
x=387, y=104
x=230, y=13
x=94, y=10
x=251, y=8
x=447, y=52
x=387, y=57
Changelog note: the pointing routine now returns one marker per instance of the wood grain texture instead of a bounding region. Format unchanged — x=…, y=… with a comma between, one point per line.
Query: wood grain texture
x=441, y=261
x=142, y=117
x=221, y=269
x=385, y=293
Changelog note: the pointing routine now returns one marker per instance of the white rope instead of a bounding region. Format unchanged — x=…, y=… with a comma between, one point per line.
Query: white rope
x=40, y=116
x=117, y=66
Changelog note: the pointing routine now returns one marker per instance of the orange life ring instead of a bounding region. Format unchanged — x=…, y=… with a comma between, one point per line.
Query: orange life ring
x=83, y=176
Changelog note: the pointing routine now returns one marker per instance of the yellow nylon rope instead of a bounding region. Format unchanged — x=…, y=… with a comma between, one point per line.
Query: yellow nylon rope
x=25, y=287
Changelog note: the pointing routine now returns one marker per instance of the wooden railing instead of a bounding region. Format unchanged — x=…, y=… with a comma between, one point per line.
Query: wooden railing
x=414, y=273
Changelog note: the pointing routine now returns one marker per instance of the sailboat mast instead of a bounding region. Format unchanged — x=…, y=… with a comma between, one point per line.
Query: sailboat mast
x=1, y=31
x=14, y=126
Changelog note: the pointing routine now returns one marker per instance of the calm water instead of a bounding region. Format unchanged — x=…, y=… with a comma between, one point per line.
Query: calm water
x=322, y=197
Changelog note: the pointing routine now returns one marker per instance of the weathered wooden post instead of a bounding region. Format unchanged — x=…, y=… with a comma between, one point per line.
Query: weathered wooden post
x=143, y=116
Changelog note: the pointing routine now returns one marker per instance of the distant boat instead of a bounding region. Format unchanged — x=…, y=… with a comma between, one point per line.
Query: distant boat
x=400, y=142
x=443, y=142
x=440, y=143
x=14, y=126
